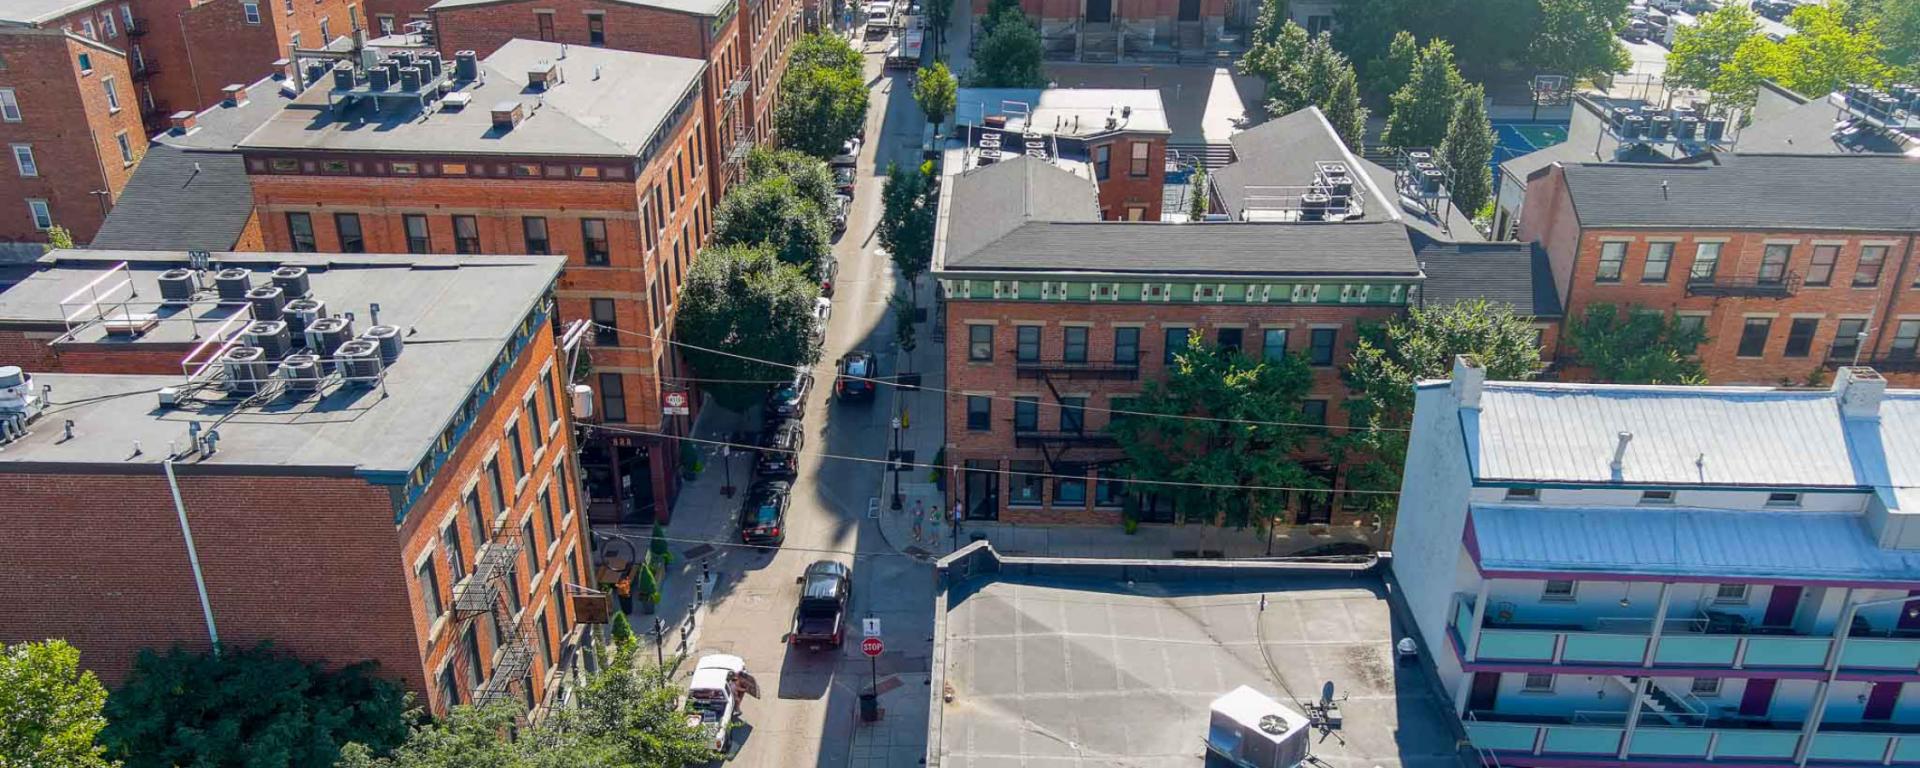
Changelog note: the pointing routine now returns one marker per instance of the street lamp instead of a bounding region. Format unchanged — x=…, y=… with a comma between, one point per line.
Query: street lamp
x=893, y=459
x=1841, y=632
x=726, y=467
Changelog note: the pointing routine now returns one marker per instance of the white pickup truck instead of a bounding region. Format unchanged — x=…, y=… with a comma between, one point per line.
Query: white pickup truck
x=714, y=694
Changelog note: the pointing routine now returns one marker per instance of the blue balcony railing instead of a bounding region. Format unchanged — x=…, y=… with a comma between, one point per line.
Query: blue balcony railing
x=1709, y=745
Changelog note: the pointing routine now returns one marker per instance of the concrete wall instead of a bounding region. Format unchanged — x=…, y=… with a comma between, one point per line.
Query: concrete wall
x=1427, y=550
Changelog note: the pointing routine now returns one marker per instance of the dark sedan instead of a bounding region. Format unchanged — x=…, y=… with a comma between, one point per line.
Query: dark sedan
x=764, y=515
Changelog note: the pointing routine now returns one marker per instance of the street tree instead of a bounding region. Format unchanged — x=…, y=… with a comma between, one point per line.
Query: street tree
x=935, y=90
x=772, y=212
x=1369, y=32
x=826, y=51
x=1198, y=198
x=810, y=177
x=1391, y=73
x=468, y=737
x=1250, y=438
x=999, y=11
x=1579, y=38
x=747, y=302
x=907, y=223
x=1423, y=108
x=1388, y=358
x=1468, y=150
x=1009, y=56
x=823, y=96
x=1342, y=107
x=1822, y=55
x=1276, y=62
x=1897, y=22
x=1635, y=346
x=254, y=707
x=50, y=708
x=1702, y=50
x=905, y=334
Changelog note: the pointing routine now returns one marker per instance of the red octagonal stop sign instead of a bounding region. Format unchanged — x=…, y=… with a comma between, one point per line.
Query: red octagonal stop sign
x=872, y=646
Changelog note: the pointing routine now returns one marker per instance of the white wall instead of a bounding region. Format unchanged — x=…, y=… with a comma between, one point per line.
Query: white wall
x=1427, y=550
x=1705, y=499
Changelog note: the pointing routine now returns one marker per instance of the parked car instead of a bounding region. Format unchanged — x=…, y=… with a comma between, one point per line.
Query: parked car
x=849, y=154
x=763, y=516
x=1697, y=7
x=780, y=450
x=1777, y=10
x=829, y=271
x=857, y=370
x=786, y=401
x=1635, y=31
x=822, y=312
x=714, y=694
x=819, y=620
x=842, y=205
x=844, y=180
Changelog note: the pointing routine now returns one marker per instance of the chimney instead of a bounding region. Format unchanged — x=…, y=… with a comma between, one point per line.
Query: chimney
x=182, y=122
x=281, y=67
x=506, y=115
x=1469, y=378
x=236, y=95
x=1620, y=451
x=543, y=76
x=1860, y=390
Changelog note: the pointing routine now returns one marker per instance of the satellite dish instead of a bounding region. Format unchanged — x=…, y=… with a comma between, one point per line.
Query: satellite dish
x=1273, y=725
x=1326, y=691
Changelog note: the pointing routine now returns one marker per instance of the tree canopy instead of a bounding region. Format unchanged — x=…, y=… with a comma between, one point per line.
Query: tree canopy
x=823, y=96
x=1492, y=38
x=775, y=213
x=907, y=221
x=258, y=708
x=1635, y=346
x=1009, y=55
x=935, y=90
x=50, y=708
x=1822, y=55
x=812, y=180
x=1423, y=108
x=1301, y=72
x=1469, y=151
x=1579, y=38
x=744, y=300
x=1701, y=51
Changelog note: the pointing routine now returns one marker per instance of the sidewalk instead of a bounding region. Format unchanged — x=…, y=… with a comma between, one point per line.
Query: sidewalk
x=899, y=738
x=923, y=435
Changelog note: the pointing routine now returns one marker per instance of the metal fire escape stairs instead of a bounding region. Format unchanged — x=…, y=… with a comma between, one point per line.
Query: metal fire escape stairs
x=481, y=593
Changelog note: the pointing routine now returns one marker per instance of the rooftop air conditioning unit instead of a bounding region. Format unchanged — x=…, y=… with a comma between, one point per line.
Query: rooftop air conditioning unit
x=1255, y=731
x=268, y=302
x=247, y=369
x=232, y=284
x=301, y=314
x=177, y=287
x=301, y=372
x=358, y=361
x=329, y=333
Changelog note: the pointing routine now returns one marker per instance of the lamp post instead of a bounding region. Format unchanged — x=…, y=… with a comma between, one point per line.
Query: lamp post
x=893, y=459
x=726, y=467
x=1841, y=633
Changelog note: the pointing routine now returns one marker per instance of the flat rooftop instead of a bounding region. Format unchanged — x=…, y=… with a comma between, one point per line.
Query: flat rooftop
x=1102, y=663
x=458, y=315
x=609, y=104
x=694, y=7
x=1068, y=112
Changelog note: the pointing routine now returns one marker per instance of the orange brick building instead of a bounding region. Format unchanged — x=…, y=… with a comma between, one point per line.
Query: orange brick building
x=1784, y=260
x=606, y=163
x=1119, y=135
x=416, y=507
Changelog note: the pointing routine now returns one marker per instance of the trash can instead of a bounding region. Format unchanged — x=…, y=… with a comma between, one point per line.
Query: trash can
x=869, y=707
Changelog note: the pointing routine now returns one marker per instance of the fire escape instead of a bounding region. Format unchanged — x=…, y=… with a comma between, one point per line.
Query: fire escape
x=734, y=138
x=484, y=593
x=1055, y=444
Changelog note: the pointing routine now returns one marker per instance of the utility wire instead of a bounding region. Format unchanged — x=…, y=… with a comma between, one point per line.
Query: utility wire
x=628, y=537
x=891, y=382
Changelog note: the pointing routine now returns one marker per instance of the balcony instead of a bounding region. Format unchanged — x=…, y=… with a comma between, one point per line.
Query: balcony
x=1717, y=742
x=1034, y=438
x=1752, y=287
x=1035, y=369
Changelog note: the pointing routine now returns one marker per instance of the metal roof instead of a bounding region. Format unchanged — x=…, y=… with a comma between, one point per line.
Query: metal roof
x=1731, y=544
x=1511, y=273
x=1752, y=191
x=1270, y=249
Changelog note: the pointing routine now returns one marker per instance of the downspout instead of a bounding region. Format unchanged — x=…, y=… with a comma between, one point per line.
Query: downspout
x=1893, y=294
x=193, y=72
x=193, y=556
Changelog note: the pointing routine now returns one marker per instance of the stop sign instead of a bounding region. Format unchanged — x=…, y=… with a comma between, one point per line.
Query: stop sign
x=872, y=646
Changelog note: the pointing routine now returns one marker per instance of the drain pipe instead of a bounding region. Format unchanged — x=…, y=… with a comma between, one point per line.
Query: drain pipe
x=193, y=556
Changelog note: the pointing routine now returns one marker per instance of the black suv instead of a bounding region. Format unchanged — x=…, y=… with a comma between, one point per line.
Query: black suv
x=820, y=618
x=780, y=450
x=786, y=401
x=857, y=371
x=764, y=515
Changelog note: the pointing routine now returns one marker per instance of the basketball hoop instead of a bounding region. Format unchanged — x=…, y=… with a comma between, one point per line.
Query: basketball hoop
x=1552, y=90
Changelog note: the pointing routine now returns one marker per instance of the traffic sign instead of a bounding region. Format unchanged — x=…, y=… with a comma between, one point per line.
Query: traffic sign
x=869, y=627
x=676, y=404
x=872, y=646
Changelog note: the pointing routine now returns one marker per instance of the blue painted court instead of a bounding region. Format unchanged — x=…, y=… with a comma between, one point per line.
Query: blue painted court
x=1513, y=138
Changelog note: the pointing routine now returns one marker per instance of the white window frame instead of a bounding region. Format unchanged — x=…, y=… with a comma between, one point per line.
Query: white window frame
x=251, y=10
x=113, y=93
x=126, y=147
x=107, y=26
x=139, y=57
x=1706, y=686
x=1529, y=682
x=126, y=12
x=325, y=35
x=9, y=106
x=289, y=4
x=24, y=162
x=1550, y=595
x=1738, y=597
x=86, y=28
x=40, y=211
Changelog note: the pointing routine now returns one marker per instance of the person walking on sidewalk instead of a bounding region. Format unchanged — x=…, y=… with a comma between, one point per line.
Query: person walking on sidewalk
x=919, y=519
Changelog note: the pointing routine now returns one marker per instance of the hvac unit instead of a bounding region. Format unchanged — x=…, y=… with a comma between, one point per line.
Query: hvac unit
x=176, y=287
x=301, y=314
x=1686, y=127
x=267, y=301
x=232, y=284
x=1313, y=206
x=1255, y=731
x=293, y=281
x=1716, y=128
x=343, y=76
x=328, y=333
x=582, y=401
x=301, y=372
x=410, y=79
x=1658, y=127
x=246, y=368
x=270, y=336
x=1431, y=179
x=466, y=65
x=378, y=78
x=388, y=337
x=358, y=361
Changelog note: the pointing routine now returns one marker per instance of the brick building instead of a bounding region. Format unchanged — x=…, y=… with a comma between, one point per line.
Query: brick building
x=605, y=163
x=1784, y=260
x=745, y=46
x=409, y=501
x=1119, y=135
x=1105, y=30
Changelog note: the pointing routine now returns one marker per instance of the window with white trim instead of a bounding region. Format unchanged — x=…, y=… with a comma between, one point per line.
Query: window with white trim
x=9, y=106
x=1558, y=590
x=252, y=11
x=23, y=160
x=106, y=24
x=1537, y=683
x=1730, y=593
x=126, y=148
x=42, y=215
x=113, y=93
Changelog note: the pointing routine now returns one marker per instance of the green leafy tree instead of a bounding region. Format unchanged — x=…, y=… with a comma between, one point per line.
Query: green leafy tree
x=1390, y=357
x=620, y=629
x=1370, y=32
x=1197, y=196
x=773, y=212
x=59, y=237
x=823, y=96
x=905, y=335
x=255, y=707
x=1392, y=72
x=1266, y=26
x=1276, y=63
x=1423, y=108
x=468, y=737
x=1009, y=56
x=826, y=51
x=935, y=90
x=1579, y=38
x=907, y=223
x=1231, y=454
x=747, y=302
x=809, y=175
x=1821, y=56
x=1469, y=151
x=999, y=11
x=1343, y=109
x=1897, y=22
x=646, y=585
x=1701, y=51
x=49, y=708
x=1635, y=346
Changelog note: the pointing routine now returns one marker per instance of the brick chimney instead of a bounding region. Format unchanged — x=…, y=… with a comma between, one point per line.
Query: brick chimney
x=182, y=122
x=236, y=95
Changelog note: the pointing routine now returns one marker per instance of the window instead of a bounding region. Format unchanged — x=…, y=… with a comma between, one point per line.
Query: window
x=1557, y=589
x=86, y=63
x=1659, y=257
x=1523, y=494
x=1313, y=411
x=1706, y=259
x=474, y=521
x=1176, y=339
x=1537, y=682
x=1073, y=415
x=1656, y=497
x=1612, y=255
x=1137, y=165
x=541, y=628
x=42, y=216
x=126, y=148
x=418, y=240
x=1820, y=269
x=544, y=19
x=1753, y=336
x=606, y=322
x=252, y=11
x=533, y=547
x=1872, y=258
x=593, y=235
x=1026, y=414
x=466, y=234
x=979, y=342
x=1691, y=323
x=553, y=415
x=113, y=93
x=1273, y=344
x=9, y=106
x=1706, y=686
x=1230, y=339
x=1800, y=336
x=351, y=238
x=1126, y=346
x=498, y=485
x=1025, y=478
x=456, y=553
x=546, y=514
x=1846, y=339
x=429, y=588
x=979, y=413
x=513, y=588
x=1027, y=343
x=534, y=228
x=126, y=12
x=560, y=600
x=107, y=26
x=1783, y=499
x=1906, y=336
x=1075, y=348
x=86, y=28
x=613, y=397
x=1773, y=263
x=1730, y=593
x=300, y=232
x=596, y=29
x=519, y=452
x=1070, y=485
x=326, y=34
x=23, y=159
x=1320, y=351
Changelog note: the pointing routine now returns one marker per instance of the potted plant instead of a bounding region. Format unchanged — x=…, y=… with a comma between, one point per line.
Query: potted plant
x=690, y=465
x=647, y=588
x=938, y=474
x=1130, y=514
x=658, y=548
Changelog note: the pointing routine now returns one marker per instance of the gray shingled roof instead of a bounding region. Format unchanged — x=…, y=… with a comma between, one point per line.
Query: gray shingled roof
x=1279, y=152
x=1372, y=249
x=1803, y=192
x=1516, y=274
x=1451, y=224
x=988, y=202
x=1807, y=129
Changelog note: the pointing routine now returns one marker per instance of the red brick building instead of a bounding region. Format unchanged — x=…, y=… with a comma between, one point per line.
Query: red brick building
x=416, y=506
x=1784, y=260
x=606, y=163
x=1105, y=30
x=745, y=46
x=1119, y=135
